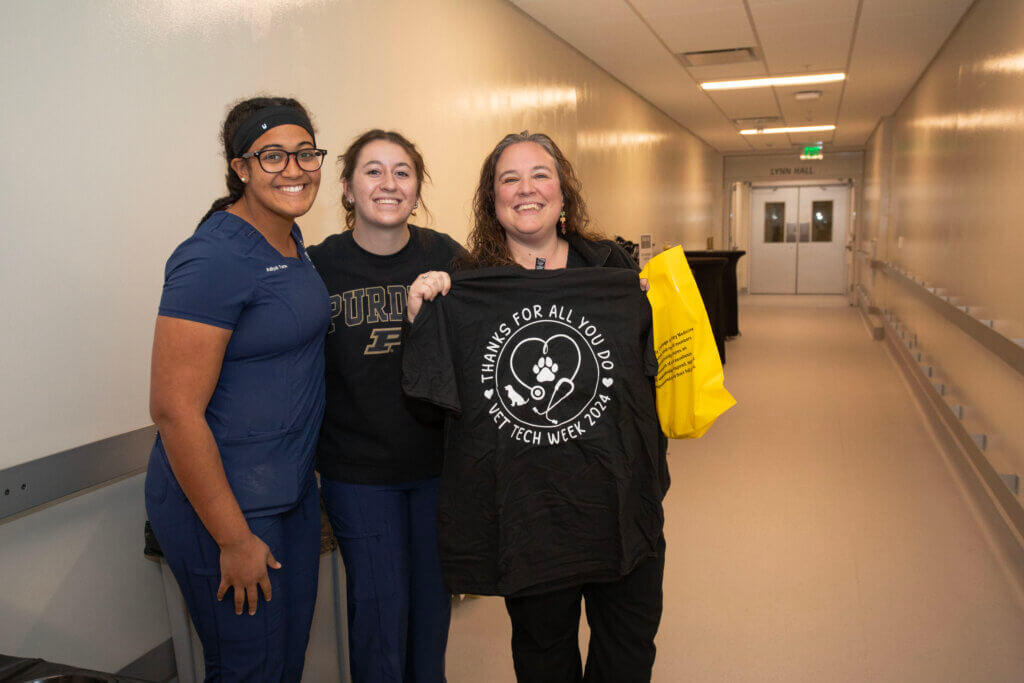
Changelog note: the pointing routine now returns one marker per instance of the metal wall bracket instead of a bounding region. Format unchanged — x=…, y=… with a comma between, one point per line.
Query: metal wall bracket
x=1012, y=482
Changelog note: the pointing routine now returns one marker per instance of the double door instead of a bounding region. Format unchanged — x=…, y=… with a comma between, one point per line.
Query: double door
x=797, y=239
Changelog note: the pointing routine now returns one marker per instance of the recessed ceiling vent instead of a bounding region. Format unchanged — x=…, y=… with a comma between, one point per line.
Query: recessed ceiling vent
x=758, y=122
x=735, y=55
x=807, y=95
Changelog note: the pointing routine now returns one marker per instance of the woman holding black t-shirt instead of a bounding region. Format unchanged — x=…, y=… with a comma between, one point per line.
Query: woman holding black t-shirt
x=505, y=509
x=379, y=454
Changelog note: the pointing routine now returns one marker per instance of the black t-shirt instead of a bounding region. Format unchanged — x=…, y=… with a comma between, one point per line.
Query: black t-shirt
x=372, y=433
x=554, y=469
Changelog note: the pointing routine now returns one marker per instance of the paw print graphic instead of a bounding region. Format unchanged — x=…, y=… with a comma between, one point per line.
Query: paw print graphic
x=545, y=369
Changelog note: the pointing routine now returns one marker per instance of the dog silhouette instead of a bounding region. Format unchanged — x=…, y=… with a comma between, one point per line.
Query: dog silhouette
x=514, y=397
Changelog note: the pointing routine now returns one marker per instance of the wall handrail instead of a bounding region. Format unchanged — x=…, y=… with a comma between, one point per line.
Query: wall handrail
x=1006, y=349
x=50, y=478
x=997, y=501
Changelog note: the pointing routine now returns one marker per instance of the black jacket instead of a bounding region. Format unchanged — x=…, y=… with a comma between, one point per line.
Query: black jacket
x=602, y=253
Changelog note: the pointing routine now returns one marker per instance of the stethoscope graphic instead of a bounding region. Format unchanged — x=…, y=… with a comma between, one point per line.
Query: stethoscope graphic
x=563, y=387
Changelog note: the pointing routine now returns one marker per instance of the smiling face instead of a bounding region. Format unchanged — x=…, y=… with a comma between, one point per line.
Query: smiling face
x=527, y=193
x=384, y=187
x=288, y=194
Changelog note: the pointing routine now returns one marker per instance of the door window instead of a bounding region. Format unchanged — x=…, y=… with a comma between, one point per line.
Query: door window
x=821, y=221
x=774, y=220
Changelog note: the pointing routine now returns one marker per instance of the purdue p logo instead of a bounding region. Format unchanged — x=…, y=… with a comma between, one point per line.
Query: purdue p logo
x=383, y=340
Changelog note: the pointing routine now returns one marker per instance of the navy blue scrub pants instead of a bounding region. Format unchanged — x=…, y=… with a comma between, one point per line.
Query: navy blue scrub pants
x=271, y=645
x=398, y=607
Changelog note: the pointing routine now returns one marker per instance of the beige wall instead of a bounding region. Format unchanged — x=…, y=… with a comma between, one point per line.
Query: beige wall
x=956, y=166
x=114, y=109
x=873, y=226
x=109, y=125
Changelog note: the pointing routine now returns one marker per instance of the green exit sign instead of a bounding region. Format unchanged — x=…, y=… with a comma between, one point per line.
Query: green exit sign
x=812, y=152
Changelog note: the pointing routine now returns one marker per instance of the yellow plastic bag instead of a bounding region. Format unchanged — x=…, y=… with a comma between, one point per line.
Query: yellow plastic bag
x=690, y=393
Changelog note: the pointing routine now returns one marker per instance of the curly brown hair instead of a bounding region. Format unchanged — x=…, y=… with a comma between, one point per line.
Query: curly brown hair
x=487, y=246
x=350, y=156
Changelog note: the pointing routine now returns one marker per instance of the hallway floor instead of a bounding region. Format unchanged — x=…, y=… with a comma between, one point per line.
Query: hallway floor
x=816, y=533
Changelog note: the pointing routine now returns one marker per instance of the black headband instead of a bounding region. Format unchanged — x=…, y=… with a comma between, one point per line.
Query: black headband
x=263, y=120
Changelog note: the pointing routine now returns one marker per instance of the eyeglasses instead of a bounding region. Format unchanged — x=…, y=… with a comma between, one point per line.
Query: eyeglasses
x=276, y=160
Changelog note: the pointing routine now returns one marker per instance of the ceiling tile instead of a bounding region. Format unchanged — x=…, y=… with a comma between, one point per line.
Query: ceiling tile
x=810, y=112
x=692, y=25
x=895, y=42
x=744, y=104
x=807, y=47
x=779, y=12
x=804, y=35
x=767, y=142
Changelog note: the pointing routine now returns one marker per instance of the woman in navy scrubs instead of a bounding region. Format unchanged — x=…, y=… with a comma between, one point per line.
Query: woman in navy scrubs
x=238, y=396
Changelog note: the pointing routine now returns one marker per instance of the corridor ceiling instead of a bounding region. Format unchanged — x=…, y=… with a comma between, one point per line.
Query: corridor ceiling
x=882, y=45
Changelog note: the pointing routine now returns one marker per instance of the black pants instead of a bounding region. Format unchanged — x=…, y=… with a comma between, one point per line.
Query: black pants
x=623, y=617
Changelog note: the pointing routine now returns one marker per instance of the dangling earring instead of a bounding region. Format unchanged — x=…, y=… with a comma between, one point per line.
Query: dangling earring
x=561, y=221
x=416, y=205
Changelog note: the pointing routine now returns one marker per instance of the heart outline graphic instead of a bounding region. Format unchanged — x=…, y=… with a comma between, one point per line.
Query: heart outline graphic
x=537, y=391
x=588, y=371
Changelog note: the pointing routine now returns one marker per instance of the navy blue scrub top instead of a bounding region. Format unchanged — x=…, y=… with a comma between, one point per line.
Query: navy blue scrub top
x=266, y=410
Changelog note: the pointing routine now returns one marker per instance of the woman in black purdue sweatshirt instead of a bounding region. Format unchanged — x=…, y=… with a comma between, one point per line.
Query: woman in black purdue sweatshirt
x=379, y=454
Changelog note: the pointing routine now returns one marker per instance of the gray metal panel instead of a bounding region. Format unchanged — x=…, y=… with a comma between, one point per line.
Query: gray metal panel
x=156, y=665
x=47, y=479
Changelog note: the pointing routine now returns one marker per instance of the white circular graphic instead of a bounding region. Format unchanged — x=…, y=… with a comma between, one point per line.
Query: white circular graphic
x=546, y=375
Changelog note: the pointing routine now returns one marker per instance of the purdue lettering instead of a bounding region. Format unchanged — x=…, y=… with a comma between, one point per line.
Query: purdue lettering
x=335, y=310
x=353, y=299
x=369, y=305
x=396, y=297
x=376, y=303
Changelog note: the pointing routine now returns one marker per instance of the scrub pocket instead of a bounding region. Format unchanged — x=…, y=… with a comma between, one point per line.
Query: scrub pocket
x=261, y=470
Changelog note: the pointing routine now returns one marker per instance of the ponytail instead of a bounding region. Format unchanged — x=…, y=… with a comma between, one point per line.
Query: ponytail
x=236, y=188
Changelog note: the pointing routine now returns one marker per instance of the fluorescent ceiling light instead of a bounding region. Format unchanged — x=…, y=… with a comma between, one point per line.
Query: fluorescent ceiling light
x=790, y=129
x=773, y=80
